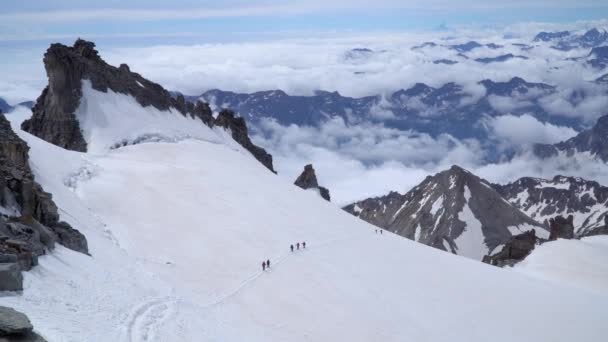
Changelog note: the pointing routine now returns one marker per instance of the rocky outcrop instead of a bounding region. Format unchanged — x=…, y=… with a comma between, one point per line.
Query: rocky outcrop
x=29, y=225
x=514, y=250
x=561, y=228
x=16, y=326
x=11, y=278
x=594, y=141
x=308, y=180
x=54, y=118
x=238, y=128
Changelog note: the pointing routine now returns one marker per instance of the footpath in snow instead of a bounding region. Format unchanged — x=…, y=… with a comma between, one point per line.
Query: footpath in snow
x=177, y=232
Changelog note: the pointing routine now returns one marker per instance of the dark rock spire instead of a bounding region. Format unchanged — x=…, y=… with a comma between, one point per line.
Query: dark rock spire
x=308, y=180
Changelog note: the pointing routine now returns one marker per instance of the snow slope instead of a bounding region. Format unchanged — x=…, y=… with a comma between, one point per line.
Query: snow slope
x=570, y=262
x=177, y=232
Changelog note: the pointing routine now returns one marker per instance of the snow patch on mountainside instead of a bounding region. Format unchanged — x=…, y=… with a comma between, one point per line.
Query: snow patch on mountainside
x=471, y=242
x=110, y=119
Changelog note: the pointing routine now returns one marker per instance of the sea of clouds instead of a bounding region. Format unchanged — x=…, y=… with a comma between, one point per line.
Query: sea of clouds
x=356, y=160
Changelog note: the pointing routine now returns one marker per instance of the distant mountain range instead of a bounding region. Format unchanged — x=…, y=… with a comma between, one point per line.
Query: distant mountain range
x=592, y=142
x=543, y=199
x=422, y=108
x=566, y=40
x=448, y=109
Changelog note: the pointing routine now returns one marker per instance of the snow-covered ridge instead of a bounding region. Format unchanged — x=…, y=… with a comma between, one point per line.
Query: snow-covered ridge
x=110, y=119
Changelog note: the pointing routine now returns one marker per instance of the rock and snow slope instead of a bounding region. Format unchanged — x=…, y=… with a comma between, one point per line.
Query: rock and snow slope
x=543, y=199
x=453, y=210
x=177, y=232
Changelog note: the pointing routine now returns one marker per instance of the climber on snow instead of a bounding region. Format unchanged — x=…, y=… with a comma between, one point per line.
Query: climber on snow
x=291, y=246
x=263, y=265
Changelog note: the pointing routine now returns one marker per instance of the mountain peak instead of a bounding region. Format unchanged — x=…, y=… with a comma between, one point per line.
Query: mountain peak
x=453, y=210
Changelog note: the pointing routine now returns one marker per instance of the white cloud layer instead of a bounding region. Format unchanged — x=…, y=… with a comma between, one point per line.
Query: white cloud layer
x=525, y=130
x=358, y=161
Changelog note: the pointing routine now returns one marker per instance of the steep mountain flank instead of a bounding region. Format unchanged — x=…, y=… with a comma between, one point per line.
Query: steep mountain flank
x=453, y=210
x=29, y=222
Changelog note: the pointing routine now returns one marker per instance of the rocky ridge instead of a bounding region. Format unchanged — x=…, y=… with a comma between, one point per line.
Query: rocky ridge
x=54, y=118
x=29, y=224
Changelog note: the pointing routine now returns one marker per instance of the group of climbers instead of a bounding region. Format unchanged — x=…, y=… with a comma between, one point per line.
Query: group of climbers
x=266, y=263
x=298, y=246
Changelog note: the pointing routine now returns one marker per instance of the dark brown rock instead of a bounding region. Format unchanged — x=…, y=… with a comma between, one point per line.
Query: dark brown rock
x=32, y=225
x=238, y=129
x=515, y=250
x=561, y=228
x=308, y=180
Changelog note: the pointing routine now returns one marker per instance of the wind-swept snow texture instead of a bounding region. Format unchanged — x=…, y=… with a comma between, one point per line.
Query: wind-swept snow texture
x=571, y=262
x=178, y=231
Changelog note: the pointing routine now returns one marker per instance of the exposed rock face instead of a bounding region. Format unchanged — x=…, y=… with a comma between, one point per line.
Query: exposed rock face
x=561, y=228
x=54, y=118
x=10, y=274
x=308, y=180
x=601, y=230
x=594, y=141
x=514, y=250
x=16, y=326
x=453, y=210
x=542, y=199
x=238, y=128
x=30, y=223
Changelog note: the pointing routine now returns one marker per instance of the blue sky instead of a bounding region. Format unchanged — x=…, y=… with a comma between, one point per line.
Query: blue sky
x=34, y=22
